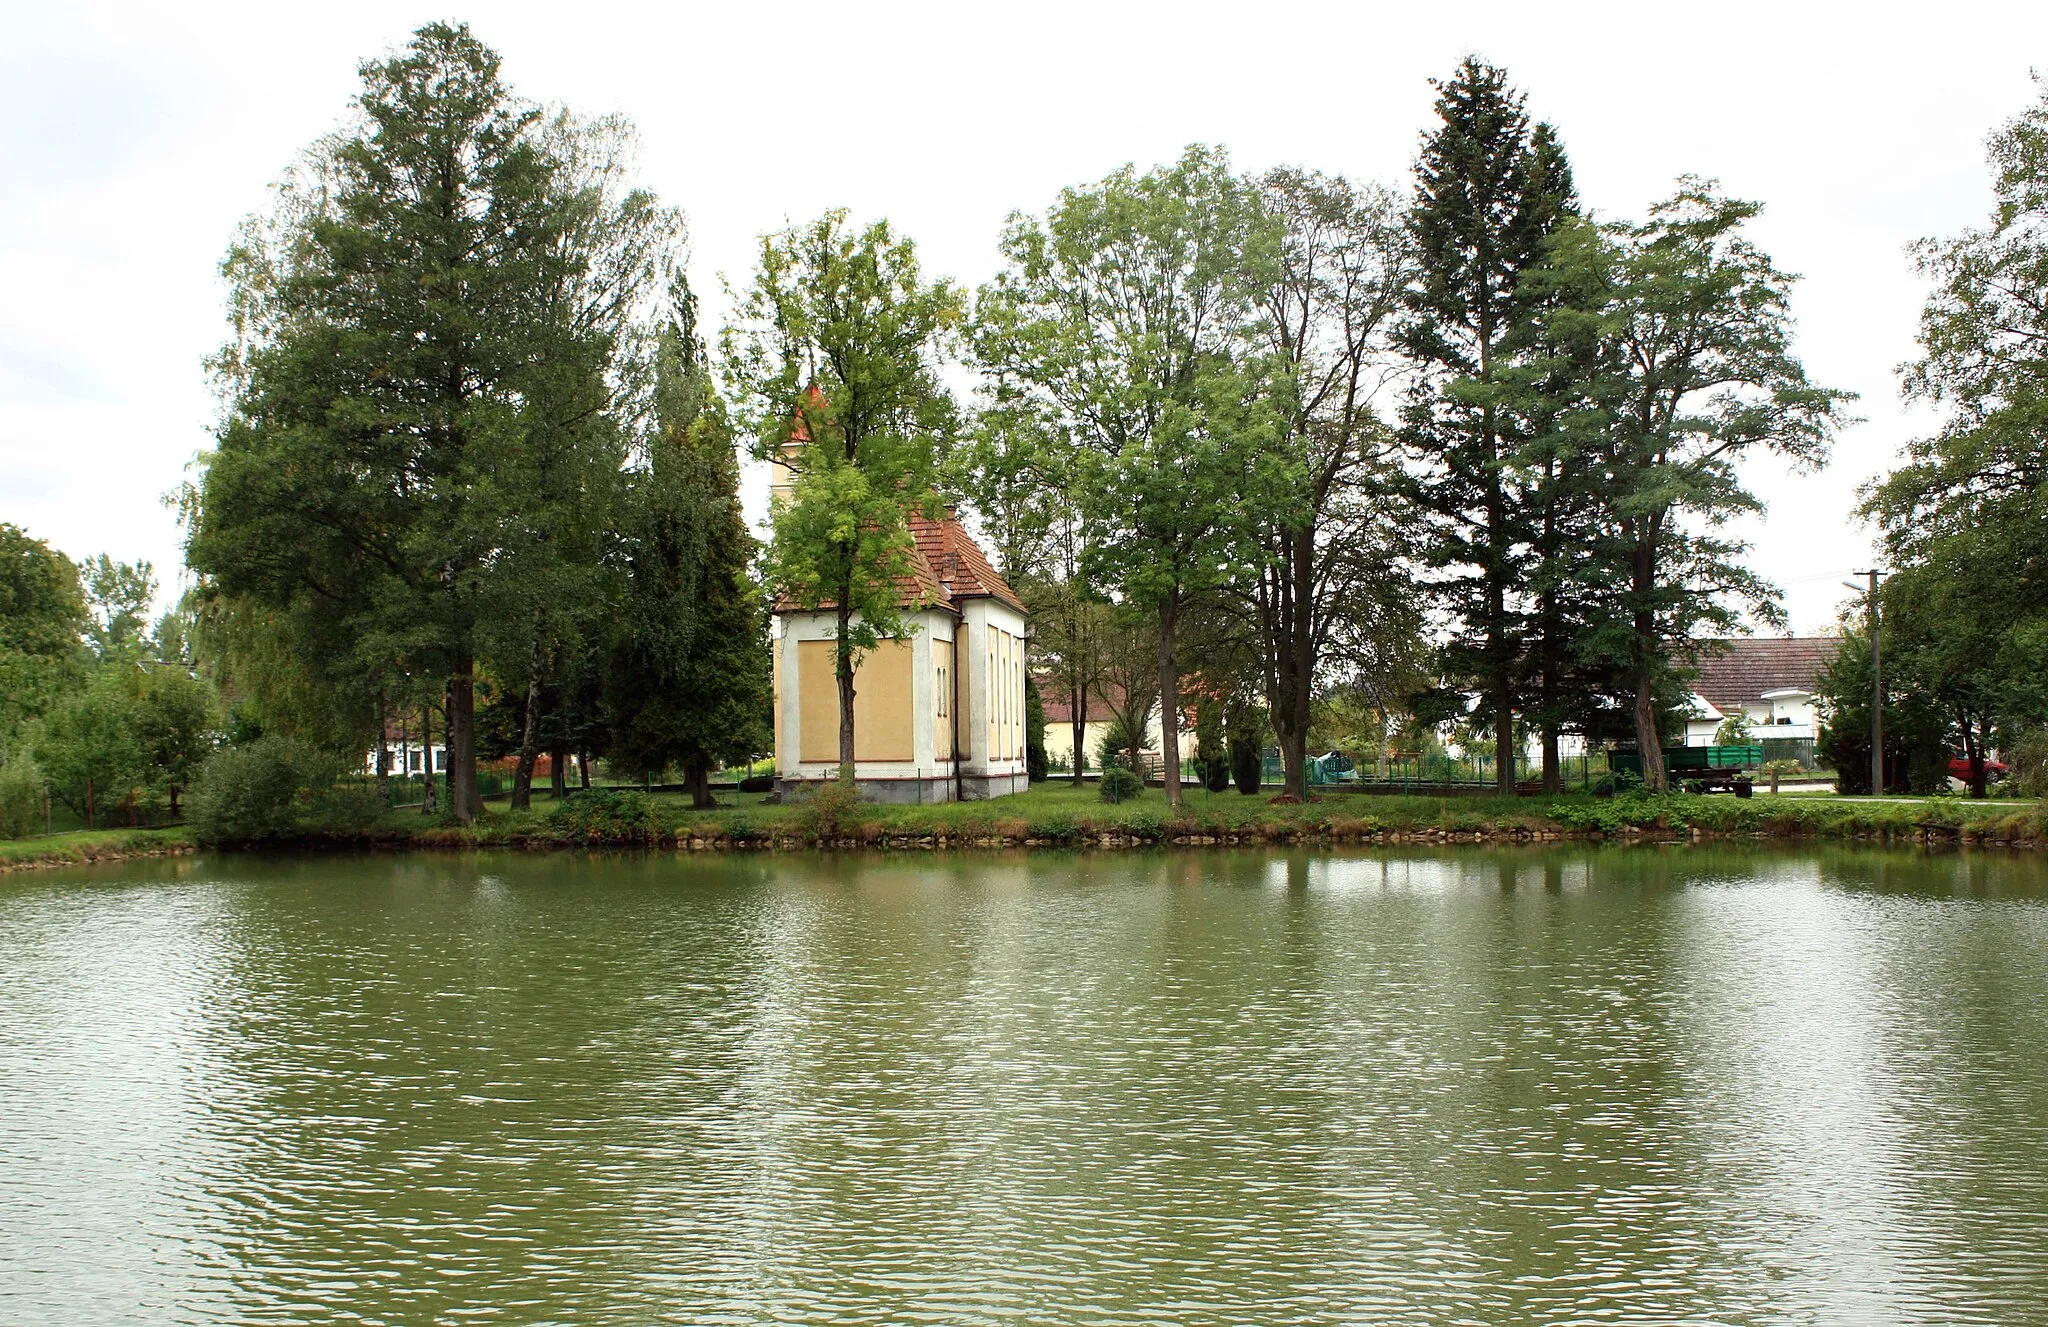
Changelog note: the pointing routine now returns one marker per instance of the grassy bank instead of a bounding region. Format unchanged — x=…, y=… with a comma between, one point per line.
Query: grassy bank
x=1056, y=815
x=92, y=845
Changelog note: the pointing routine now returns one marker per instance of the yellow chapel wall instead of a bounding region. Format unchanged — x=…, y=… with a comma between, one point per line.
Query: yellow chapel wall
x=884, y=726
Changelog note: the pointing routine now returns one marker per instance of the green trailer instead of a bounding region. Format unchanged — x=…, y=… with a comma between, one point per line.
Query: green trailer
x=1703, y=769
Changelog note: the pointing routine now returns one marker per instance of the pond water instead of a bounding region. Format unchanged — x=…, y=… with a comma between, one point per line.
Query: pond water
x=1620, y=1086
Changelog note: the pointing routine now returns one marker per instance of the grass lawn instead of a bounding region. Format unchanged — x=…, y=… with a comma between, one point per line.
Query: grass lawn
x=1059, y=811
x=86, y=845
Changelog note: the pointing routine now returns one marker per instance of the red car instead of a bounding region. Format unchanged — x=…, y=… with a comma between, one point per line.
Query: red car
x=1959, y=768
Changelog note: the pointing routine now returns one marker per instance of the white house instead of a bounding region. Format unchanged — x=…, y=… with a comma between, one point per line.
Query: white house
x=1773, y=682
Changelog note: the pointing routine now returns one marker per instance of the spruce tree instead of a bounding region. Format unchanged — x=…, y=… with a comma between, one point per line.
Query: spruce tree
x=687, y=678
x=1490, y=189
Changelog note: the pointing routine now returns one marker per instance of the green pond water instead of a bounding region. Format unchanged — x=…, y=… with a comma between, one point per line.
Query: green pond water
x=1623, y=1086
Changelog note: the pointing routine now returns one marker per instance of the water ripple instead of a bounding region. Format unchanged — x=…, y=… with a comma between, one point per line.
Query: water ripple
x=1567, y=1088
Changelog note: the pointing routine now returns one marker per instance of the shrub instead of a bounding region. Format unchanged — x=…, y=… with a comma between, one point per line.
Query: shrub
x=2029, y=760
x=608, y=815
x=349, y=808
x=247, y=794
x=1119, y=784
x=21, y=797
x=1115, y=746
x=1247, y=766
x=833, y=810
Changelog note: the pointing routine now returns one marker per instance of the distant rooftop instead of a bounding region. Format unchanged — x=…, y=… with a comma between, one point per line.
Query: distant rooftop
x=1734, y=672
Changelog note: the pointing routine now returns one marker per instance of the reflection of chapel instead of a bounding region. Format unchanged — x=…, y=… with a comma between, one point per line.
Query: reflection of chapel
x=954, y=684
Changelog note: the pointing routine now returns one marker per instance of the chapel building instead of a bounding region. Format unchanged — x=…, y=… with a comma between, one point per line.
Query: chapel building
x=938, y=713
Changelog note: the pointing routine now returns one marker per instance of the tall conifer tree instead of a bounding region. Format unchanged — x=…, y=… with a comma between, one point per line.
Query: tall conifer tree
x=1490, y=189
x=687, y=683
x=428, y=333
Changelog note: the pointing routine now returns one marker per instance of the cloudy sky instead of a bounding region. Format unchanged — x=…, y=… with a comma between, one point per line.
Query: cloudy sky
x=134, y=137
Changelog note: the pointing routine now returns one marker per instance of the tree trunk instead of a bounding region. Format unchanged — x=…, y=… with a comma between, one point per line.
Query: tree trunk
x=558, y=772
x=697, y=774
x=529, y=736
x=1289, y=618
x=88, y=801
x=463, y=799
x=583, y=768
x=842, y=669
x=1553, y=770
x=383, y=756
x=1648, y=740
x=1079, y=722
x=1644, y=624
x=1504, y=740
x=1169, y=702
x=1293, y=760
x=429, y=800
x=1503, y=679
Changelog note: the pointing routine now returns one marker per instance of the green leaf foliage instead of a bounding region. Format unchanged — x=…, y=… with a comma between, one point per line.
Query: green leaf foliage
x=1965, y=519
x=687, y=678
x=425, y=389
x=834, y=365
x=21, y=797
x=1122, y=320
x=42, y=619
x=258, y=792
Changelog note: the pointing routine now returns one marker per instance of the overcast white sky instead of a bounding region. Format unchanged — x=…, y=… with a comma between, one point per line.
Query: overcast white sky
x=134, y=137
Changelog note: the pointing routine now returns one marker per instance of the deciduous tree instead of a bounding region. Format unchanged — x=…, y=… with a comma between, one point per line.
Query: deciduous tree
x=834, y=367
x=42, y=619
x=1332, y=563
x=1696, y=372
x=1124, y=312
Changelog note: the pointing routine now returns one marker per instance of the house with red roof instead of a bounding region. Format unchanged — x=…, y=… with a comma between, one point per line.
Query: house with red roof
x=938, y=712
x=1774, y=682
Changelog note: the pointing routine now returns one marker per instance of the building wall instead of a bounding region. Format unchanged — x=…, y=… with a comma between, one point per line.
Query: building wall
x=945, y=698
x=884, y=725
x=1059, y=741
x=991, y=657
x=1794, y=716
x=903, y=724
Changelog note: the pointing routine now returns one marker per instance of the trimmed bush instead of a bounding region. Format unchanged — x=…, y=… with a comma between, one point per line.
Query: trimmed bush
x=1119, y=784
x=607, y=815
x=1247, y=766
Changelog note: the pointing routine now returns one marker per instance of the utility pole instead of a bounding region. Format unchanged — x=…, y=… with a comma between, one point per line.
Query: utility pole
x=1876, y=689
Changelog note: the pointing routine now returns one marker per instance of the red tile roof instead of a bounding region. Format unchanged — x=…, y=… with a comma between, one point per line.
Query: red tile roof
x=959, y=561
x=946, y=566
x=1734, y=672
